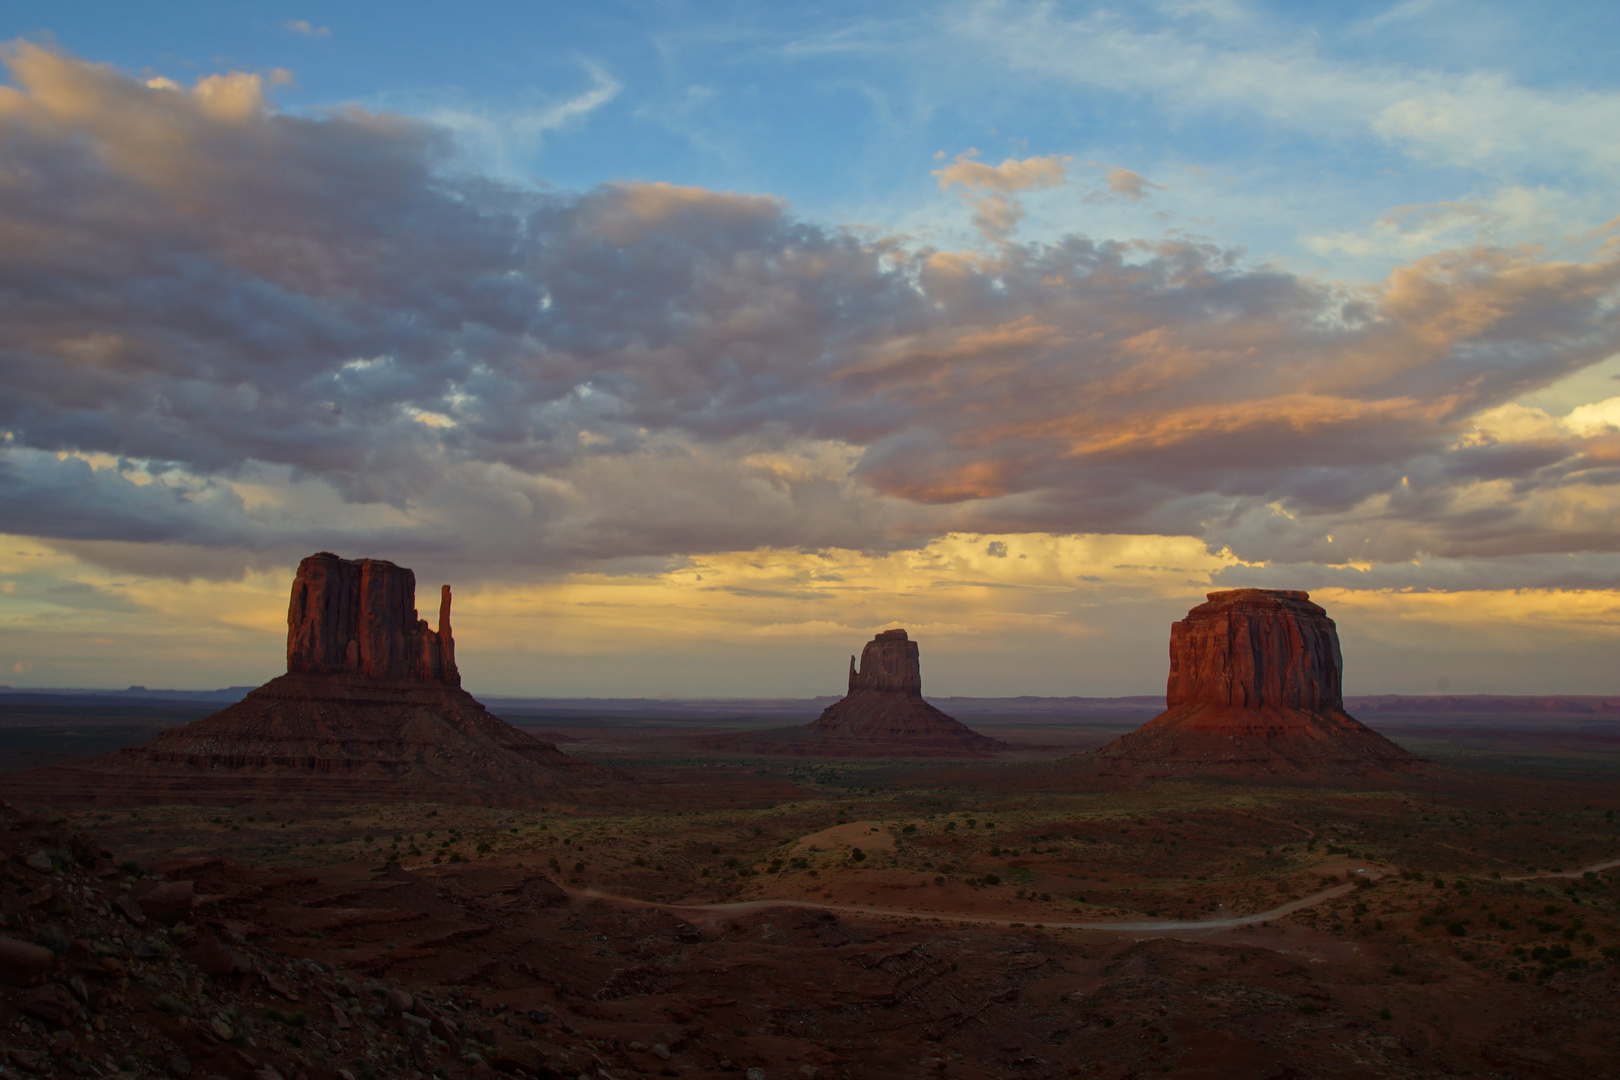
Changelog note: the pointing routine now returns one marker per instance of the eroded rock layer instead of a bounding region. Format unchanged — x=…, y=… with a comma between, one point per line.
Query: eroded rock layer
x=356, y=726
x=890, y=662
x=359, y=617
x=1255, y=688
x=1251, y=648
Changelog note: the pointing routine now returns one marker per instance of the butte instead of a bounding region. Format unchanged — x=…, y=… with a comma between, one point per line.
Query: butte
x=882, y=715
x=371, y=707
x=1255, y=689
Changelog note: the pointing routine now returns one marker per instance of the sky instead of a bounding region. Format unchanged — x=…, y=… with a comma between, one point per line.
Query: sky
x=693, y=344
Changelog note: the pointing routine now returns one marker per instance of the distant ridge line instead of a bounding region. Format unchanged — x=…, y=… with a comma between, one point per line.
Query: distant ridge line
x=1371, y=703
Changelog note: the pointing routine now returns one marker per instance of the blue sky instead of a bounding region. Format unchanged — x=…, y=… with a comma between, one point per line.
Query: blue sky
x=717, y=331
x=1267, y=124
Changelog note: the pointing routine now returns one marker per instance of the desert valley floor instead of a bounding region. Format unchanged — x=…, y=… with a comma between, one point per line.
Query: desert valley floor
x=1022, y=915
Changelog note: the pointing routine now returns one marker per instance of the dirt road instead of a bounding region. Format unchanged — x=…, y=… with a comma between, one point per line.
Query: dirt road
x=1155, y=926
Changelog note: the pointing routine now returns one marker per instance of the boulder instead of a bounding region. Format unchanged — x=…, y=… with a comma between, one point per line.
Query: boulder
x=85, y=847
x=213, y=958
x=129, y=908
x=167, y=902
x=50, y=1004
x=22, y=964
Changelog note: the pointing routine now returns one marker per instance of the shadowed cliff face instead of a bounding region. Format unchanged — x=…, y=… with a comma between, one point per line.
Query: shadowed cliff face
x=358, y=617
x=1249, y=648
x=1255, y=688
x=889, y=662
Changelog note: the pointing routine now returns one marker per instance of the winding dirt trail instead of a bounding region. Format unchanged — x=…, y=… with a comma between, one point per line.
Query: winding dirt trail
x=744, y=907
x=1156, y=926
x=1578, y=872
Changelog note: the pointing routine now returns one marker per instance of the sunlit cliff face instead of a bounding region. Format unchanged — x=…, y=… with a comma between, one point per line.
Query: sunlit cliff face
x=686, y=425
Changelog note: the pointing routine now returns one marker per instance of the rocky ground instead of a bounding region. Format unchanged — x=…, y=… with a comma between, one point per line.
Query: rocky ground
x=436, y=939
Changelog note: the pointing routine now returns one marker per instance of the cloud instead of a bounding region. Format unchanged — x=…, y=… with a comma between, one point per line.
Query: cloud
x=996, y=212
x=1481, y=120
x=303, y=28
x=499, y=137
x=249, y=332
x=1129, y=185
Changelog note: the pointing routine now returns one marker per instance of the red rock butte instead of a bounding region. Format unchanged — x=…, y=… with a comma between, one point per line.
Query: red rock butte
x=371, y=706
x=882, y=715
x=347, y=617
x=1255, y=688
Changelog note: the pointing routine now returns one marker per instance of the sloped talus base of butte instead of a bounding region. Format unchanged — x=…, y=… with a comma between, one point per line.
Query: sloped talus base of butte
x=1196, y=739
x=332, y=738
x=867, y=723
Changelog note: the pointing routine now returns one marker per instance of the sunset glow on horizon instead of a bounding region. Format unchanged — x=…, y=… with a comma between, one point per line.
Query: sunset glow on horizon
x=693, y=347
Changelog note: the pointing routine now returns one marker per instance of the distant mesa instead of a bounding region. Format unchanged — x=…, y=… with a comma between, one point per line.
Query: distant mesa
x=371, y=703
x=1255, y=688
x=882, y=715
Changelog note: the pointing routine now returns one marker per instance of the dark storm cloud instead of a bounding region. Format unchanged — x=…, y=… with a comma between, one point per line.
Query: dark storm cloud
x=241, y=330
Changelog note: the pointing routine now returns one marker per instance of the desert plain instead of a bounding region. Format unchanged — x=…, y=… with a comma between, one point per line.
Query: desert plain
x=850, y=917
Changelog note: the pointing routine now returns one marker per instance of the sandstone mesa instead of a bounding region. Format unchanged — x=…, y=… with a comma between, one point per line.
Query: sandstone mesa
x=1255, y=688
